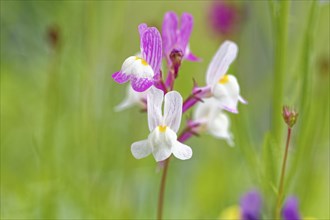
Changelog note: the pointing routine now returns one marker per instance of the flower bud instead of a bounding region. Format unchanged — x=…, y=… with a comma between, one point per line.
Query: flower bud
x=290, y=116
x=176, y=58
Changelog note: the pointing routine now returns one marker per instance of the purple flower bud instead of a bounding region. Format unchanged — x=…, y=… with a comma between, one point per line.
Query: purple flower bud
x=176, y=58
x=290, y=209
x=251, y=206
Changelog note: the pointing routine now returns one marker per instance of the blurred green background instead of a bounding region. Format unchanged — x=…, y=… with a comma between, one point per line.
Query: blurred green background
x=65, y=152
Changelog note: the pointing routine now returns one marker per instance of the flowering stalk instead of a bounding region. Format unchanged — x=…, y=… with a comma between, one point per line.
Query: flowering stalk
x=150, y=91
x=162, y=190
x=280, y=191
x=185, y=135
x=290, y=118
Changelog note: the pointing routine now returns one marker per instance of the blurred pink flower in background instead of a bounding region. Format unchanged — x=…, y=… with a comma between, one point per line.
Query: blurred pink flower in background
x=224, y=17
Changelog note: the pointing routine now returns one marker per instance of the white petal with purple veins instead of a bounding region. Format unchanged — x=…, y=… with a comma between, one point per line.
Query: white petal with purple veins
x=173, y=110
x=221, y=61
x=154, y=102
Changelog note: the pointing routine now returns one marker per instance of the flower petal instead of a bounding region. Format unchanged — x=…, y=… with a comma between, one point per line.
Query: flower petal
x=181, y=151
x=120, y=77
x=192, y=57
x=187, y=22
x=204, y=109
x=290, y=209
x=219, y=64
x=169, y=29
x=141, y=149
x=218, y=126
x=142, y=28
x=154, y=102
x=173, y=110
x=251, y=205
x=242, y=100
x=151, y=48
x=162, y=142
x=227, y=94
x=141, y=84
x=132, y=98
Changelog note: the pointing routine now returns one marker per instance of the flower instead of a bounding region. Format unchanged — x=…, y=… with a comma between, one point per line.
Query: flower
x=224, y=17
x=223, y=87
x=290, y=209
x=251, y=206
x=132, y=98
x=213, y=119
x=142, y=70
x=162, y=140
x=176, y=39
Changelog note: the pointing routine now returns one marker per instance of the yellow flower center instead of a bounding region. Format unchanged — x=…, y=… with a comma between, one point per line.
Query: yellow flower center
x=144, y=63
x=224, y=79
x=162, y=128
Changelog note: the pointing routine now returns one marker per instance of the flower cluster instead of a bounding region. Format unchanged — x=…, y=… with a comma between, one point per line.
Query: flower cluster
x=250, y=208
x=149, y=87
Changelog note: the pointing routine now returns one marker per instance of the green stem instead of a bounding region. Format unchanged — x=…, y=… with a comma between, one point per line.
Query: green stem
x=162, y=190
x=281, y=186
x=280, y=66
x=182, y=138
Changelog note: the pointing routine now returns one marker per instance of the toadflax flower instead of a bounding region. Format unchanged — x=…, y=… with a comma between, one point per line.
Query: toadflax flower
x=290, y=209
x=251, y=206
x=223, y=87
x=249, y=209
x=211, y=118
x=141, y=70
x=176, y=39
x=162, y=140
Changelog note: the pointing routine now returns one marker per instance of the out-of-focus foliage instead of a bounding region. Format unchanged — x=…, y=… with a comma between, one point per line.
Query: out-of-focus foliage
x=65, y=152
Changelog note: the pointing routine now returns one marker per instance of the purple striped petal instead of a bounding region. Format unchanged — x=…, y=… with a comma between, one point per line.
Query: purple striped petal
x=290, y=209
x=187, y=22
x=142, y=28
x=151, y=47
x=141, y=84
x=169, y=32
x=120, y=77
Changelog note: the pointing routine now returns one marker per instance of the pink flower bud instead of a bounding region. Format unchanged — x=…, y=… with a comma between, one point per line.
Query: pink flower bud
x=290, y=116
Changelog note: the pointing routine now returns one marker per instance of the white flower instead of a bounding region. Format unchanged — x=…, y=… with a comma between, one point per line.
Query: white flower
x=132, y=98
x=212, y=119
x=162, y=140
x=224, y=87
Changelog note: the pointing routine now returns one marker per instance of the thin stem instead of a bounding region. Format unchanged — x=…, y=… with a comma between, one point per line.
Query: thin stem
x=182, y=138
x=162, y=190
x=189, y=102
x=280, y=191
